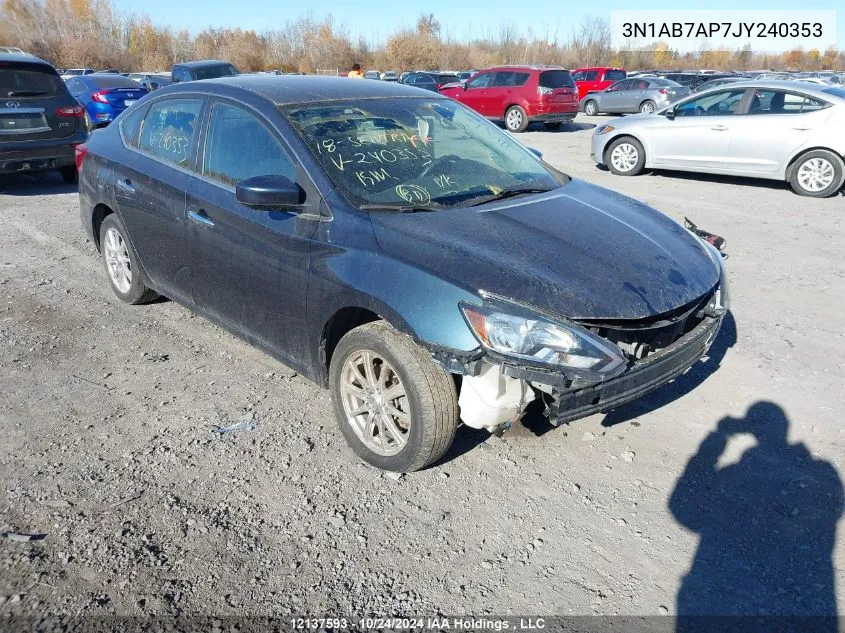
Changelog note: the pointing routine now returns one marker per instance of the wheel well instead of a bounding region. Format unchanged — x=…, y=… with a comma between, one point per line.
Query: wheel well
x=339, y=324
x=616, y=138
x=788, y=172
x=100, y=213
x=647, y=101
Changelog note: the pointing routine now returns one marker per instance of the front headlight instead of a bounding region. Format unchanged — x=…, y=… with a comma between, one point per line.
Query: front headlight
x=578, y=353
x=721, y=301
x=604, y=129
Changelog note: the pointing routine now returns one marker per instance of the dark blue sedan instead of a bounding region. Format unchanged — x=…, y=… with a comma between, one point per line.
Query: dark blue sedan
x=394, y=246
x=105, y=95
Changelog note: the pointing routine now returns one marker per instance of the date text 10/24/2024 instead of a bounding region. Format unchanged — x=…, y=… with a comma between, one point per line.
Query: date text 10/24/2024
x=437, y=623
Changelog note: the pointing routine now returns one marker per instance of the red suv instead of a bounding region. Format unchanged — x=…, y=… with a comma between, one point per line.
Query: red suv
x=519, y=95
x=596, y=79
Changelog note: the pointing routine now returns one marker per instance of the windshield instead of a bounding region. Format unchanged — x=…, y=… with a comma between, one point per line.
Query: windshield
x=213, y=72
x=112, y=81
x=423, y=153
x=29, y=80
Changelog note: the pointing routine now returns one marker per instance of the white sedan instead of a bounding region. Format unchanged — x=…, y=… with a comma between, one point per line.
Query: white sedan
x=780, y=130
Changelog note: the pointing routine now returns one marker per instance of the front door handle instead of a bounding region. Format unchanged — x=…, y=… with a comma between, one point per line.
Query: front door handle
x=201, y=217
x=126, y=185
x=719, y=128
x=801, y=129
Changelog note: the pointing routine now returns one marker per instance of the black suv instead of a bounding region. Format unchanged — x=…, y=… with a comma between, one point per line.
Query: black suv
x=40, y=122
x=204, y=69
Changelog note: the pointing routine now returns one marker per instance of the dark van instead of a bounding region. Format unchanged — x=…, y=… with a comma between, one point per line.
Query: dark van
x=204, y=69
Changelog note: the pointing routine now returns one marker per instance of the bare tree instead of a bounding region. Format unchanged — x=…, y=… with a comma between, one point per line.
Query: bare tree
x=591, y=41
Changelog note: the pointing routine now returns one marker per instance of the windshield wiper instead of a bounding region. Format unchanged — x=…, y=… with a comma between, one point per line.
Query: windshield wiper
x=402, y=208
x=25, y=93
x=510, y=193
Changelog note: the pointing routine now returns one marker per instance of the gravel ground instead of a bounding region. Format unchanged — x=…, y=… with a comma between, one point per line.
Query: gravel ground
x=107, y=413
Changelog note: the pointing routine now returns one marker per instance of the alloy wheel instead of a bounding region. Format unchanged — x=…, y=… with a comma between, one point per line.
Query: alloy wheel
x=647, y=107
x=117, y=260
x=624, y=157
x=514, y=119
x=375, y=402
x=816, y=174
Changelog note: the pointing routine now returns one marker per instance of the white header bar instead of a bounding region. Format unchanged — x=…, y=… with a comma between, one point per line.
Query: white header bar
x=765, y=31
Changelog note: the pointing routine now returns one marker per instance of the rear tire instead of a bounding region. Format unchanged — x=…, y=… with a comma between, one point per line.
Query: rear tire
x=591, y=108
x=69, y=174
x=817, y=174
x=647, y=107
x=121, y=263
x=625, y=156
x=553, y=125
x=515, y=119
x=407, y=405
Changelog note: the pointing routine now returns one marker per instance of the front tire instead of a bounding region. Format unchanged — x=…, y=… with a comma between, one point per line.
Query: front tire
x=647, y=107
x=817, y=174
x=591, y=108
x=625, y=156
x=516, y=120
x=121, y=263
x=396, y=408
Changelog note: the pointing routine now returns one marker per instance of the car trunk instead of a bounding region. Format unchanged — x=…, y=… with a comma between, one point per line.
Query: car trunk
x=34, y=104
x=122, y=98
x=557, y=87
x=677, y=92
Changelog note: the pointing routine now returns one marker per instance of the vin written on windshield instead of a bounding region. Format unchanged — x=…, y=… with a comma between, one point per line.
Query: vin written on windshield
x=386, y=153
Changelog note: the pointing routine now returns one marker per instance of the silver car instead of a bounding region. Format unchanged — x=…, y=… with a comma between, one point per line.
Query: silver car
x=780, y=130
x=640, y=94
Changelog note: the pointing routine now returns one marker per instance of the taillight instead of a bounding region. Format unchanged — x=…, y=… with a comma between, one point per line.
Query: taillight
x=77, y=112
x=664, y=91
x=100, y=97
x=81, y=153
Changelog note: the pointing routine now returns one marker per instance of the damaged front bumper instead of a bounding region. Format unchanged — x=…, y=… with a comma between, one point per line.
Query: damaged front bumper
x=495, y=391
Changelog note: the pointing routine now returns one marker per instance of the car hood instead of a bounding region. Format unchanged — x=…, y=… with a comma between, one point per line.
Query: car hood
x=579, y=251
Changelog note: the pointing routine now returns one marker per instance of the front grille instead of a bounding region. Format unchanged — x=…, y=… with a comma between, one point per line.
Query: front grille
x=638, y=338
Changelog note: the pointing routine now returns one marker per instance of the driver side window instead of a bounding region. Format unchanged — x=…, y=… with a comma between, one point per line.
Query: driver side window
x=718, y=104
x=480, y=81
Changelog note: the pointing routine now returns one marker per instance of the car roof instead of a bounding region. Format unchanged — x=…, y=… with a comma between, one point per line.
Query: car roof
x=816, y=90
x=523, y=67
x=203, y=63
x=25, y=58
x=294, y=89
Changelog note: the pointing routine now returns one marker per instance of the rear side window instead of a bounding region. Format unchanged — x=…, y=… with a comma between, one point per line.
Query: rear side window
x=30, y=80
x=510, y=78
x=169, y=128
x=130, y=124
x=239, y=146
x=181, y=74
x=614, y=75
x=592, y=75
x=556, y=79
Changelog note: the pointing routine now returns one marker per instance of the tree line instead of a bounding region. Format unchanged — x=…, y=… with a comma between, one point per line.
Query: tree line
x=92, y=33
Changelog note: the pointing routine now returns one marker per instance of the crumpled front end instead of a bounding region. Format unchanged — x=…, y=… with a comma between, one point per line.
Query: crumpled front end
x=496, y=389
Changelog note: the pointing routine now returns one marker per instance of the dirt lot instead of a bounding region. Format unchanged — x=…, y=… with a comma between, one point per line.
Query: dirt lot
x=106, y=413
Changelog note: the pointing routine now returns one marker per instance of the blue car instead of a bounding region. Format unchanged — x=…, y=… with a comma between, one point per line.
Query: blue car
x=398, y=248
x=105, y=95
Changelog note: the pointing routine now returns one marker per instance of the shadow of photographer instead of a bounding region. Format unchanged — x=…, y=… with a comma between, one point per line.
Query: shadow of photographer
x=767, y=527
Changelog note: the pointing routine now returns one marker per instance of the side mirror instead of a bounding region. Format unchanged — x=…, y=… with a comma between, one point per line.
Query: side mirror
x=536, y=152
x=670, y=113
x=269, y=191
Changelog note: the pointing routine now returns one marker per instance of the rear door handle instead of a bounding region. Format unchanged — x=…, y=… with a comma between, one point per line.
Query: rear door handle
x=719, y=128
x=126, y=185
x=201, y=217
